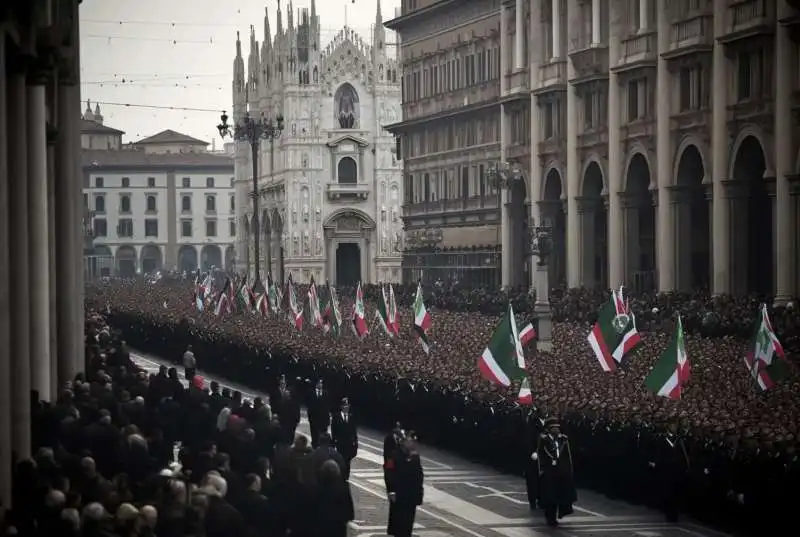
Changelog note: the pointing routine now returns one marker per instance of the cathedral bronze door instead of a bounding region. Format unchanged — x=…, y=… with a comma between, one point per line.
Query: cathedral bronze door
x=348, y=264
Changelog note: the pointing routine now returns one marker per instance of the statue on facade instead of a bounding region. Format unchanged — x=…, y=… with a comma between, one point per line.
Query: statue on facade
x=384, y=243
x=294, y=214
x=306, y=244
x=295, y=244
x=318, y=245
x=305, y=212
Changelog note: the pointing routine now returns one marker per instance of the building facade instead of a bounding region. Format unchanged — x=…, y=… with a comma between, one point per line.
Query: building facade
x=330, y=187
x=662, y=145
x=449, y=137
x=157, y=203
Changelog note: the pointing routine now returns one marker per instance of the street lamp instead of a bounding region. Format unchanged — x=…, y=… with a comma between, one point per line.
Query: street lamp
x=505, y=175
x=542, y=247
x=253, y=130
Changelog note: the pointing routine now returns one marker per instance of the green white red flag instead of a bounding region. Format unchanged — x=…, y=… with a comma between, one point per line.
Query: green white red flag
x=382, y=313
x=295, y=310
x=672, y=370
x=525, y=396
x=313, y=305
x=614, y=335
x=503, y=361
x=765, y=359
x=359, y=322
x=422, y=320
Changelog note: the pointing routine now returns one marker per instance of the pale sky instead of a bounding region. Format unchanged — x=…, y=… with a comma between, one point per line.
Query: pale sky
x=179, y=53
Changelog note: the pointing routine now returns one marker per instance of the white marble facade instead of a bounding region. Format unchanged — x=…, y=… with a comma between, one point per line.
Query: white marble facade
x=330, y=187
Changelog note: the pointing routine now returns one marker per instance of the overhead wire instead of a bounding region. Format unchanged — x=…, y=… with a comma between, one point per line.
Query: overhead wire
x=158, y=107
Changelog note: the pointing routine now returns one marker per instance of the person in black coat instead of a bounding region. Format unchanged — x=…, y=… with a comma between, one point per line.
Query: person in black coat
x=404, y=483
x=669, y=467
x=344, y=433
x=556, y=486
x=289, y=413
x=319, y=412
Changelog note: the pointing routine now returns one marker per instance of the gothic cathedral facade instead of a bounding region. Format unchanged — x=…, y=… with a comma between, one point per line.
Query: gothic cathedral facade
x=330, y=186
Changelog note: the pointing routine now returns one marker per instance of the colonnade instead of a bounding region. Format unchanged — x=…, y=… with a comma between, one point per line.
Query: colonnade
x=725, y=193
x=41, y=241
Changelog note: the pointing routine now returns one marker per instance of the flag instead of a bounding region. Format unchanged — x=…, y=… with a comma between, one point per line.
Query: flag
x=296, y=311
x=223, y=299
x=525, y=396
x=393, y=315
x=333, y=315
x=614, y=334
x=359, y=322
x=422, y=320
x=527, y=334
x=382, y=313
x=272, y=295
x=502, y=361
x=198, y=302
x=671, y=372
x=313, y=305
x=243, y=304
x=764, y=347
x=262, y=304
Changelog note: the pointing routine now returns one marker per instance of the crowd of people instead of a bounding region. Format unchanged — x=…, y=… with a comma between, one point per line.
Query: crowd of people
x=124, y=454
x=739, y=441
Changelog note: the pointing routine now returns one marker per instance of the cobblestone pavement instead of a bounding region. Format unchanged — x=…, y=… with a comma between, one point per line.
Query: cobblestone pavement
x=464, y=499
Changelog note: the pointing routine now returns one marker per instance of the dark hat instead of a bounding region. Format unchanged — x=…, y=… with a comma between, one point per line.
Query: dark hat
x=551, y=422
x=345, y=401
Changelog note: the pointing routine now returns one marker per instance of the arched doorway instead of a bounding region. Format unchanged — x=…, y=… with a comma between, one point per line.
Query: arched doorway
x=126, y=262
x=520, y=235
x=348, y=239
x=693, y=224
x=593, y=210
x=102, y=263
x=639, y=217
x=551, y=209
x=210, y=256
x=230, y=259
x=187, y=258
x=348, y=264
x=151, y=258
x=266, y=245
x=279, y=271
x=347, y=171
x=752, y=260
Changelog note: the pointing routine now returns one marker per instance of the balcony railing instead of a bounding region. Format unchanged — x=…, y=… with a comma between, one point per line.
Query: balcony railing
x=553, y=73
x=348, y=190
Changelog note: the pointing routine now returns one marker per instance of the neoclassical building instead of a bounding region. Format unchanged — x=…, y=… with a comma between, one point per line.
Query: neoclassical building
x=658, y=138
x=330, y=187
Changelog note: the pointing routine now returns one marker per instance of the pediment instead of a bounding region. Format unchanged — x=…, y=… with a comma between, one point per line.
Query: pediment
x=347, y=138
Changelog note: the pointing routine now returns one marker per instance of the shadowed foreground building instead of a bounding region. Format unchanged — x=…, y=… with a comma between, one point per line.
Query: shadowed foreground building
x=658, y=138
x=41, y=338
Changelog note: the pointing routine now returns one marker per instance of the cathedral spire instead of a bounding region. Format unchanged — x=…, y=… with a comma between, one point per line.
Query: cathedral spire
x=267, y=32
x=313, y=11
x=290, y=15
x=280, y=19
x=378, y=16
x=238, y=46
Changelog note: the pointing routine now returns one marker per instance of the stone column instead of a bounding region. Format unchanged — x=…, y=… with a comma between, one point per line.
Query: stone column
x=67, y=248
x=736, y=198
x=52, y=267
x=519, y=48
x=616, y=272
x=555, y=25
x=644, y=15
x=5, y=304
x=785, y=61
x=364, y=250
x=587, y=209
x=630, y=232
x=597, y=17
x=665, y=239
x=542, y=309
x=573, y=183
x=720, y=155
x=17, y=123
x=507, y=262
x=680, y=205
x=794, y=196
x=79, y=319
x=535, y=174
x=38, y=254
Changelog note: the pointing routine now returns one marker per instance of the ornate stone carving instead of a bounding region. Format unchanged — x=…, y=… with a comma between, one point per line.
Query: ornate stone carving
x=348, y=223
x=384, y=243
x=295, y=244
x=318, y=243
x=306, y=244
x=294, y=214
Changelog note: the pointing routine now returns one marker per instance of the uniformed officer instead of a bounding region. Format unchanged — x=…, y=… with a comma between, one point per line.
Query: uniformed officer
x=319, y=412
x=670, y=466
x=391, y=445
x=344, y=432
x=556, y=486
x=404, y=484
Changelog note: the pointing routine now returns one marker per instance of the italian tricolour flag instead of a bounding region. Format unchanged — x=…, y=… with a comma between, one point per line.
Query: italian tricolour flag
x=382, y=313
x=614, y=335
x=672, y=370
x=422, y=320
x=359, y=322
x=765, y=359
x=296, y=310
x=503, y=362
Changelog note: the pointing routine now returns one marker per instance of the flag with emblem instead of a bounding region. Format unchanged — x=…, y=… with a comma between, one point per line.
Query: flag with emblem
x=502, y=361
x=765, y=359
x=614, y=335
x=295, y=310
x=359, y=322
x=671, y=372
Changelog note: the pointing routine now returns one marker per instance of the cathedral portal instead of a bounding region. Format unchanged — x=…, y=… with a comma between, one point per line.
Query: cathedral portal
x=349, y=244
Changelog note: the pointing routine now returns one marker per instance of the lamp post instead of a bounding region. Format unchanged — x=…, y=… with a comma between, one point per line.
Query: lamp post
x=541, y=248
x=253, y=130
x=507, y=176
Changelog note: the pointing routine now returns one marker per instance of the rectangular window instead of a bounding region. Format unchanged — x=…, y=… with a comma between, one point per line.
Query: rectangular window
x=231, y=228
x=151, y=227
x=186, y=228
x=187, y=182
x=588, y=111
x=151, y=182
x=209, y=182
x=633, y=100
x=211, y=204
x=100, y=227
x=125, y=228
x=126, y=182
x=99, y=182
x=211, y=228
x=745, y=76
